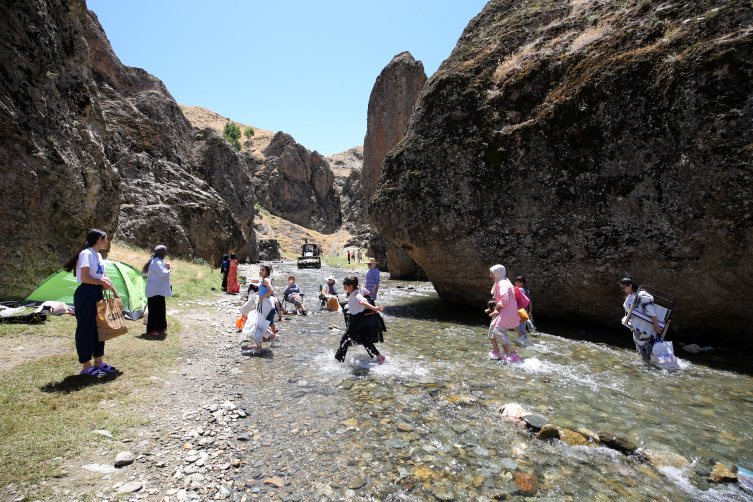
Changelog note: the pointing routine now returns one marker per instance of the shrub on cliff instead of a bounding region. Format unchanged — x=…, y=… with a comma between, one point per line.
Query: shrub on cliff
x=232, y=134
x=249, y=132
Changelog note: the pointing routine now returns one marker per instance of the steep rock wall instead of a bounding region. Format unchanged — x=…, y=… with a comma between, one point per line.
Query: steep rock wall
x=577, y=143
x=180, y=187
x=390, y=106
x=57, y=181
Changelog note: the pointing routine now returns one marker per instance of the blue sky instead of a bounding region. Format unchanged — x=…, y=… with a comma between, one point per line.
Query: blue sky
x=303, y=67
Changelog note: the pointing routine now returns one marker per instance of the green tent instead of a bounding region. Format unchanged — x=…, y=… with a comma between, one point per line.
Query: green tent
x=128, y=282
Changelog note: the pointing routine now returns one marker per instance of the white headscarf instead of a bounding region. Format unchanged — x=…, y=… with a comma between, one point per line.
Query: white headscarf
x=499, y=273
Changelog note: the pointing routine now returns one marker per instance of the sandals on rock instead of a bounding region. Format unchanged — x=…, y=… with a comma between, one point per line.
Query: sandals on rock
x=107, y=368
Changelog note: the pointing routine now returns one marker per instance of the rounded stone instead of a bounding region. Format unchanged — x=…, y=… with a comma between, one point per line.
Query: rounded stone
x=124, y=458
x=535, y=420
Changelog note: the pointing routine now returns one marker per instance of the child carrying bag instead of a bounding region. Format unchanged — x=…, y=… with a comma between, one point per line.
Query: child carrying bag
x=255, y=327
x=110, y=321
x=520, y=298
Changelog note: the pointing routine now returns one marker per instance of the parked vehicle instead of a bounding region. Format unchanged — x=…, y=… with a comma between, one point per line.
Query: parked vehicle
x=310, y=256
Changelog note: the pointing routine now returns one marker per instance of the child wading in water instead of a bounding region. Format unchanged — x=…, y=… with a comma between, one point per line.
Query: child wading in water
x=504, y=313
x=356, y=305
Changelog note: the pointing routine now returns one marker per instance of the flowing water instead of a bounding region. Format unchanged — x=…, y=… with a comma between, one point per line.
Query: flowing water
x=426, y=426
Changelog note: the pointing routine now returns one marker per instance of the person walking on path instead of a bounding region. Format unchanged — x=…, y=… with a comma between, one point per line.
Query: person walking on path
x=89, y=268
x=506, y=314
x=358, y=256
x=232, y=275
x=224, y=270
x=157, y=289
x=372, y=280
x=356, y=305
x=644, y=302
x=348, y=257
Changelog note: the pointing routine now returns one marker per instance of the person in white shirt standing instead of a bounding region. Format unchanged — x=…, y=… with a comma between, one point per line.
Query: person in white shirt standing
x=89, y=268
x=157, y=289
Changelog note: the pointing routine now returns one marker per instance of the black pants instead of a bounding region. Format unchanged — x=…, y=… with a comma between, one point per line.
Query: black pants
x=157, y=320
x=87, y=340
x=351, y=337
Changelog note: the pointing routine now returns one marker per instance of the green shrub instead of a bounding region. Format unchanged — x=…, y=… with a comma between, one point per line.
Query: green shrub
x=249, y=132
x=232, y=133
x=261, y=209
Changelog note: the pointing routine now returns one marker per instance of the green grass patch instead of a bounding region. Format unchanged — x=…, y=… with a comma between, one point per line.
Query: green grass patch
x=49, y=410
x=342, y=262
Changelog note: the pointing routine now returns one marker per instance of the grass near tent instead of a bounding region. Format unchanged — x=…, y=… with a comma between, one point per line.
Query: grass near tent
x=49, y=411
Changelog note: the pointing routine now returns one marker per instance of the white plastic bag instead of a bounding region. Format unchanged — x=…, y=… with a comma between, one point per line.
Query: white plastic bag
x=255, y=327
x=664, y=356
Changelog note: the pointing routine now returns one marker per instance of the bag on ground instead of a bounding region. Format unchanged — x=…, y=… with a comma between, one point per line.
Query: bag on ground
x=523, y=315
x=255, y=327
x=110, y=320
x=664, y=356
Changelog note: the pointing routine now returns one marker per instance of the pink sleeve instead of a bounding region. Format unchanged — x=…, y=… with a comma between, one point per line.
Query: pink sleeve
x=502, y=299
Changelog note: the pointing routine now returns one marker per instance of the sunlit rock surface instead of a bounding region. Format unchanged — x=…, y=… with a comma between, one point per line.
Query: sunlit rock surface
x=390, y=105
x=57, y=180
x=579, y=142
x=188, y=190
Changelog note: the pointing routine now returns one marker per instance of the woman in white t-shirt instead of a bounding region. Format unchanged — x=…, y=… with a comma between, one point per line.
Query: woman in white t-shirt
x=89, y=268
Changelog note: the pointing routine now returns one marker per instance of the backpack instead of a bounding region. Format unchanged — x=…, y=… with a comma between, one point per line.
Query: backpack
x=521, y=299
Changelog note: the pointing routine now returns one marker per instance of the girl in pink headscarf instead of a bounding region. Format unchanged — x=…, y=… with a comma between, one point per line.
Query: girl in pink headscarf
x=505, y=316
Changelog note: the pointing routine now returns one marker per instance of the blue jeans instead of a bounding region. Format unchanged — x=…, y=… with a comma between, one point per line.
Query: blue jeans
x=522, y=327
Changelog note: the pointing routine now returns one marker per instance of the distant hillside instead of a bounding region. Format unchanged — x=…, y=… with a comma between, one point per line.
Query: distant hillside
x=201, y=117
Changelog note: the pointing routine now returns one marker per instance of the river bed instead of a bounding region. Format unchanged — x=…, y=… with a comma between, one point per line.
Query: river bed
x=425, y=425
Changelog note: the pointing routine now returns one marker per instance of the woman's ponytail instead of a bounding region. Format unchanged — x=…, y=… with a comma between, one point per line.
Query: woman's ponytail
x=92, y=236
x=159, y=252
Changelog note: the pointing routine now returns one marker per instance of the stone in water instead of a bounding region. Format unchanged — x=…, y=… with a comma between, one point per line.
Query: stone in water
x=535, y=420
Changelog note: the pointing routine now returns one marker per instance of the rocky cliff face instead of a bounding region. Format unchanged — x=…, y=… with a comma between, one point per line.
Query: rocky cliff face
x=57, y=181
x=346, y=167
x=187, y=189
x=579, y=142
x=297, y=184
x=390, y=106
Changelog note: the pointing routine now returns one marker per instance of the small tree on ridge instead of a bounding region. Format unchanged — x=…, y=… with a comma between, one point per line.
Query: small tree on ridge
x=232, y=134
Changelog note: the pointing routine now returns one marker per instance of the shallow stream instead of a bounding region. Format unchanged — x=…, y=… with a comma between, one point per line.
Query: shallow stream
x=425, y=425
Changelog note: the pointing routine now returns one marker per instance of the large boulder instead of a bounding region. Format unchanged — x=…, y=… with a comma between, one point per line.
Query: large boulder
x=188, y=190
x=57, y=181
x=576, y=143
x=298, y=185
x=390, y=106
